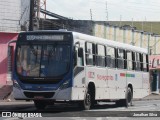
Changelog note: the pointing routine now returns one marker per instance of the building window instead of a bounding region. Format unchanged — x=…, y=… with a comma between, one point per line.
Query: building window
x=10, y=58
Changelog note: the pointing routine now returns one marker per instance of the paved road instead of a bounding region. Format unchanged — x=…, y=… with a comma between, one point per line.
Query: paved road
x=101, y=110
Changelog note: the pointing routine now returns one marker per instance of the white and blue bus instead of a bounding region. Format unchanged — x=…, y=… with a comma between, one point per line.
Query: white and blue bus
x=52, y=66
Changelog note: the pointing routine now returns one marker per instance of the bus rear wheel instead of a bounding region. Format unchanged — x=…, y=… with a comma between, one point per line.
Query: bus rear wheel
x=39, y=104
x=126, y=102
x=129, y=96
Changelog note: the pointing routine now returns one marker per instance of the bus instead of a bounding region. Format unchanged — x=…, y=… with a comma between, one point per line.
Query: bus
x=64, y=66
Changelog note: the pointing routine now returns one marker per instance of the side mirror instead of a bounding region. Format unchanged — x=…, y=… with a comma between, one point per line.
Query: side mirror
x=80, y=52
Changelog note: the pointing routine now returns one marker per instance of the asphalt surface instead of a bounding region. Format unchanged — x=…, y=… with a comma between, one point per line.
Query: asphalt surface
x=103, y=111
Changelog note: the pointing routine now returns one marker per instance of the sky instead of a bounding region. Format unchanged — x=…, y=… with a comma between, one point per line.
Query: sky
x=124, y=10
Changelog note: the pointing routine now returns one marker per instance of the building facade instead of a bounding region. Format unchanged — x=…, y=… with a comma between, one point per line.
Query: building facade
x=128, y=35
x=125, y=34
x=154, y=67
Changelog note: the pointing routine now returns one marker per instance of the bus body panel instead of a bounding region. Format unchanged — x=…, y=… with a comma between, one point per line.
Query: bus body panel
x=64, y=94
x=78, y=93
x=117, y=83
x=79, y=77
x=110, y=83
x=145, y=81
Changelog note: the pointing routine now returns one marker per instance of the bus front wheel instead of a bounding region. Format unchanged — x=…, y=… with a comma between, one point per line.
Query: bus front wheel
x=39, y=104
x=86, y=103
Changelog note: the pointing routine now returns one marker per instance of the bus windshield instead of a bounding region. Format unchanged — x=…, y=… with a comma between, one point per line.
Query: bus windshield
x=47, y=60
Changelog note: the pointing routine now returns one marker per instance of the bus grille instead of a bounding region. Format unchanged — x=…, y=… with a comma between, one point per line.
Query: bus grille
x=43, y=94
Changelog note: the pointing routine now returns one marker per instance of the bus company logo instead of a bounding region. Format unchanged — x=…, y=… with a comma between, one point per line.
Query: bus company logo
x=91, y=75
x=104, y=77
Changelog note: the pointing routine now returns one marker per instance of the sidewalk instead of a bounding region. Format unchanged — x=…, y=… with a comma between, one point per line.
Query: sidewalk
x=152, y=96
x=5, y=91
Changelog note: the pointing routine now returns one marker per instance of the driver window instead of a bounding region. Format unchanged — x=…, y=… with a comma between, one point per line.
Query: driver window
x=79, y=57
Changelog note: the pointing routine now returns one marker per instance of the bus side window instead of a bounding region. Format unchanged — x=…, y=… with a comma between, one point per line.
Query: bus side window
x=145, y=64
x=133, y=61
x=100, y=59
x=110, y=57
x=141, y=62
x=90, y=53
x=120, y=58
x=80, y=61
x=137, y=62
x=129, y=60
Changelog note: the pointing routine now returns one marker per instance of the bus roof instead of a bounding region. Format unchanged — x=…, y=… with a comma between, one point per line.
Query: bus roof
x=112, y=43
x=94, y=39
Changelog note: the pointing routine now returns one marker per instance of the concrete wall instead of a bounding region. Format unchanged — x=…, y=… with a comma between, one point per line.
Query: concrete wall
x=102, y=29
x=10, y=15
x=128, y=36
x=14, y=15
x=5, y=38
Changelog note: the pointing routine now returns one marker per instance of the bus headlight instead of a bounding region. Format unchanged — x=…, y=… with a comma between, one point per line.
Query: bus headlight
x=16, y=85
x=64, y=85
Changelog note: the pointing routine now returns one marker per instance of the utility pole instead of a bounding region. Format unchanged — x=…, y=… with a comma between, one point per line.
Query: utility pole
x=120, y=20
x=35, y=9
x=142, y=25
x=91, y=14
x=132, y=22
x=31, y=15
x=106, y=11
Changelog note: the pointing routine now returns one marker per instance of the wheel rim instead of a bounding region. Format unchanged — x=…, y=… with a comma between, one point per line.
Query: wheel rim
x=129, y=97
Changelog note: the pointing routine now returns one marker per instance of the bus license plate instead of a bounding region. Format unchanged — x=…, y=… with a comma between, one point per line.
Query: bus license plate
x=38, y=97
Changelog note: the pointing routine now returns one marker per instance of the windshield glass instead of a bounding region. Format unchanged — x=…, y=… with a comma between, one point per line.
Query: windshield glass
x=43, y=60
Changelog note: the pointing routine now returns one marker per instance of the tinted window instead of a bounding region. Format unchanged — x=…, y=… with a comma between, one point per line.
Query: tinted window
x=110, y=57
x=120, y=58
x=90, y=53
x=100, y=55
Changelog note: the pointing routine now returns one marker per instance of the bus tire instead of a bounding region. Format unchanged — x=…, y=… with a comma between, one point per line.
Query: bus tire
x=39, y=104
x=86, y=103
x=129, y=98
x=126, y=102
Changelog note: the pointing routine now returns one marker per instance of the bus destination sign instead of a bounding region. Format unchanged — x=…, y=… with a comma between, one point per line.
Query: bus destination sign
x=45, y=37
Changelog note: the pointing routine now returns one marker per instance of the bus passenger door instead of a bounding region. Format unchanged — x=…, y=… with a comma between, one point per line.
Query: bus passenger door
x=79, y=74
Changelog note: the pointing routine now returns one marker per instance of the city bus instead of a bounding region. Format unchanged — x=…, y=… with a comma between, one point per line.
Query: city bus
x=64, y=66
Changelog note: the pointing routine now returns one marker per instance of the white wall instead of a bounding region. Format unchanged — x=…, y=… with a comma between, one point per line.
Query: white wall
x=13, y=14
